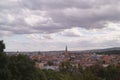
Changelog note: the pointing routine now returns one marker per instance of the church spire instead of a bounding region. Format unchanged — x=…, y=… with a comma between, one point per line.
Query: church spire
x=66, y=50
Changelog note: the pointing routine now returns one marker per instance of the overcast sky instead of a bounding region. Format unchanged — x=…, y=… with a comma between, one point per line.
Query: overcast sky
x=43, y=25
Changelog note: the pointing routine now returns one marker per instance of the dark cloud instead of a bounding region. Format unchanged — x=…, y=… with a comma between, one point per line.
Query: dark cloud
x=56, y=15
x=60, y=4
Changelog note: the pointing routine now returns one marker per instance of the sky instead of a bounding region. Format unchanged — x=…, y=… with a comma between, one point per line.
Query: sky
x=47, y=25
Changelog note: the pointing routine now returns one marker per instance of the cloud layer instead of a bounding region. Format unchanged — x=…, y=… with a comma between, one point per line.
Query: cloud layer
x=81, y=20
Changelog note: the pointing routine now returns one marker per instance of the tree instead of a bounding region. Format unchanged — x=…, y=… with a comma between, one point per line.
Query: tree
x=65, y=66
x=87, y=75
x=2, y=46
x=50, y=63
x=41, y=75
x=53, y=75
x=19, y=67
x=97, y=70
x=112, y=73
x=5, y=73
x=22, y=68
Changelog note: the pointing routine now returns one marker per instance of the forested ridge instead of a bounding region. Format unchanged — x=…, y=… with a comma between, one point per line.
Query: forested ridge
x=110, y=52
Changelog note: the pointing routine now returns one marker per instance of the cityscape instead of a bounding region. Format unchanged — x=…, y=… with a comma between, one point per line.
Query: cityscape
x=59, y=64
x=52, y=59
x=59, y=39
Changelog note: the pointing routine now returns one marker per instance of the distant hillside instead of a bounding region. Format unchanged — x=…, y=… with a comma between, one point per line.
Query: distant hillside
x=115, y=50
x=109, y=52
x=111, y=49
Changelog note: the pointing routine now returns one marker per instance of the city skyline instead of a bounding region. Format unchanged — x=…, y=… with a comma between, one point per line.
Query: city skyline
x=42, y=25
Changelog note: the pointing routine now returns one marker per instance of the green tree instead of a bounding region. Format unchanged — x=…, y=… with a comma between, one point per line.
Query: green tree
x=112, y=73
x=89, y=76
x=41, y=75
x=65, y=67
x=5, y=73
x=22, y=68
x=2, y=46
x=53, y=75
x=97, y=70
x=50, y=63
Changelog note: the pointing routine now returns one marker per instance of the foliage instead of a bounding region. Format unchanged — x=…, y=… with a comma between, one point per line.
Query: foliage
x=5, y=73
x=113, y=73
x=22, y=68
x=50, y=63
x=65, y=67
x=2, y=46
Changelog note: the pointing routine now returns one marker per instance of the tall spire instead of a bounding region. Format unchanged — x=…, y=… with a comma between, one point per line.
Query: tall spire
x=66, y=50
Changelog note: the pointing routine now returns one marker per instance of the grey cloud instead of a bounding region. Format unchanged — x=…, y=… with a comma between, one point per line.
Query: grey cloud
x=60, y=4
x=53, y=4
x=94, y=18
x=71, y=35
x=65, y=14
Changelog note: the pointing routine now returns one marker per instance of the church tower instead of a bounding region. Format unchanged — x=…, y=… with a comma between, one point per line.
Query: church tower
x=66, y=51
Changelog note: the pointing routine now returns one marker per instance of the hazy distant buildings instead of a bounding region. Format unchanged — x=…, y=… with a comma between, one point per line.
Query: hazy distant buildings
x=84, y=59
